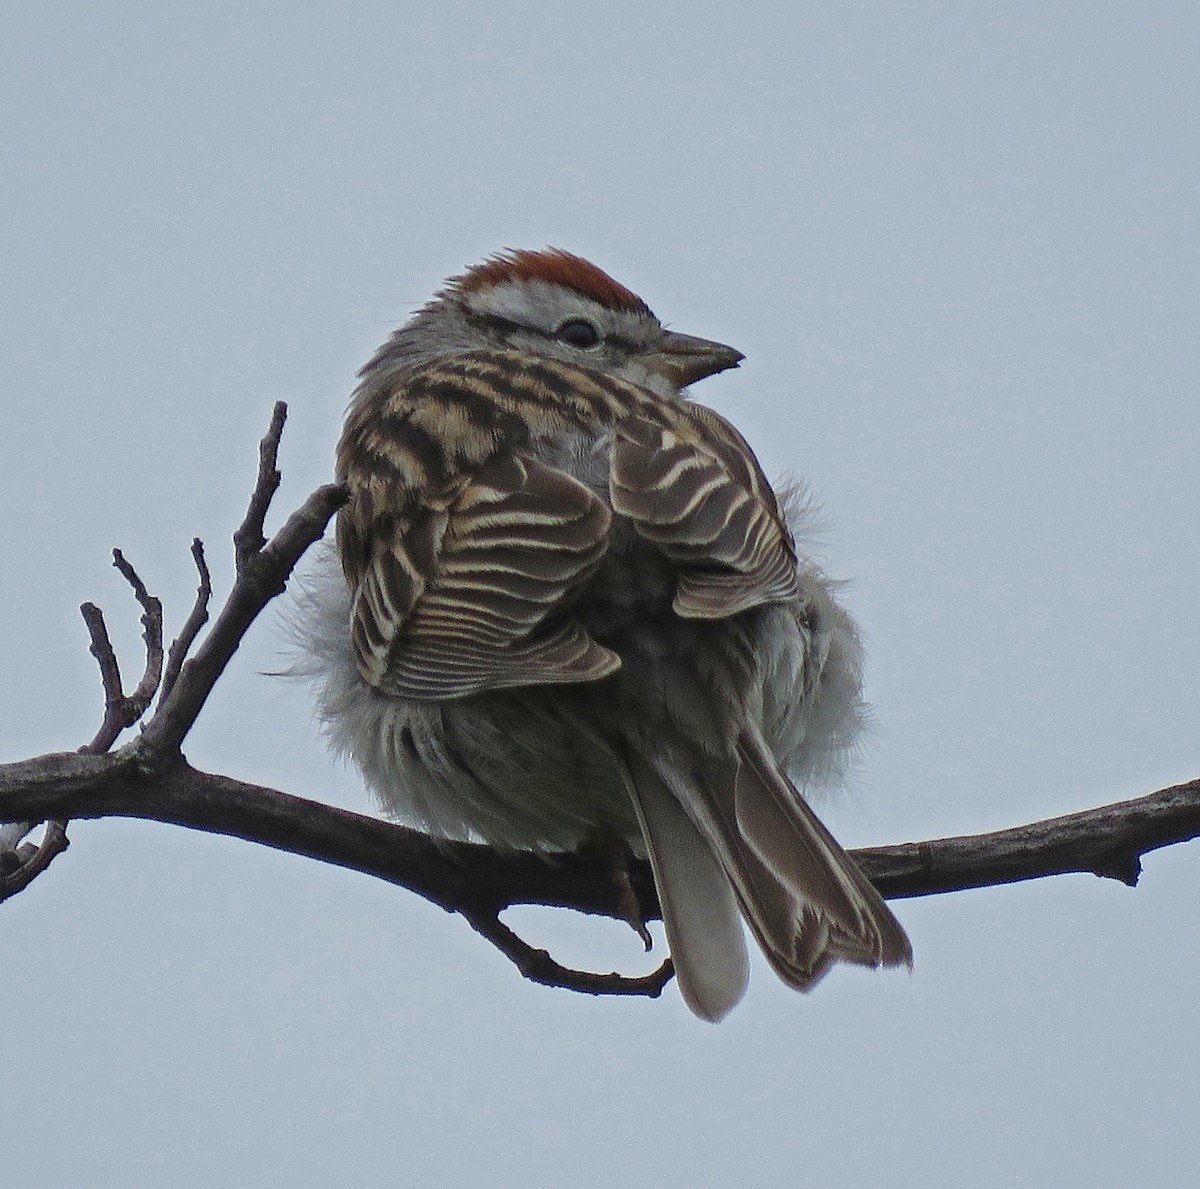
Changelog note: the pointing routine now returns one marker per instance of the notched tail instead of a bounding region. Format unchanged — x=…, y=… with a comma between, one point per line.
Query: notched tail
x=735, y=838
x=840, y=915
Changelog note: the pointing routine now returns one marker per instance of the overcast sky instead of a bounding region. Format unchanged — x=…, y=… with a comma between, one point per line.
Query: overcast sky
x=958, y=244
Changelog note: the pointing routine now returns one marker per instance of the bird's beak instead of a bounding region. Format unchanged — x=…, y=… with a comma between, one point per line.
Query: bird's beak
x=683, y=359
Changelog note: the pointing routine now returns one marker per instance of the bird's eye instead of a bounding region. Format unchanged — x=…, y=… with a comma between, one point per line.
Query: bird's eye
x=578, y=333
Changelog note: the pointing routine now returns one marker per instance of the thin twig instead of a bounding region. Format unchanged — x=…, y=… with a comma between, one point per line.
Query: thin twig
x=197, y=618
x=539, y=967
x=113, y=722
x=249, y=539
x=121, y=711
x=262, y=578
x=110, y=678
x=152, y=623
x=262, y=572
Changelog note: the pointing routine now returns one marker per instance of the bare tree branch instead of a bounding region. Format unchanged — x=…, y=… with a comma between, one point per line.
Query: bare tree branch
x=262, y=573
x=113, y=722
x=249, y=540
x=139, y=701
x=121, y=711
x=150, y=779
x=197, y=618
x=1107, y=841
x=479, y=882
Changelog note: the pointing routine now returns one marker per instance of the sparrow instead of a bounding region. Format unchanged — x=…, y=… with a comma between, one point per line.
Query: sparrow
x=566, y=608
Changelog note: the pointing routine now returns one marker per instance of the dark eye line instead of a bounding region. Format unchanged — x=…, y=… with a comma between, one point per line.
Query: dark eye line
x=496, y=322
x=499, y=323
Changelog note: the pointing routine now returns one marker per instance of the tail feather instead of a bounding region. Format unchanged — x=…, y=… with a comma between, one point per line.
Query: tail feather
x=748, y=840
x=770, y=909
x=783, y=831
x=699, y=911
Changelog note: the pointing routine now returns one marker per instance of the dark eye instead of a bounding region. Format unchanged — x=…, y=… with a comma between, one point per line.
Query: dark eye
x=579, y=333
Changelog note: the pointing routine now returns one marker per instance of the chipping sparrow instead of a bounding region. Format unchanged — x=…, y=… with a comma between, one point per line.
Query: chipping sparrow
x=569, y=609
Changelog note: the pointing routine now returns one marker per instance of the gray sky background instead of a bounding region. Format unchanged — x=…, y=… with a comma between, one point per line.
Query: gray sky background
x=959, y=245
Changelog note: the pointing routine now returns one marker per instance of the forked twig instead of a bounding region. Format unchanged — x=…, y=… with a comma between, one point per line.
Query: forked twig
x=152, y=633
x=122, y=711
x=262, y=571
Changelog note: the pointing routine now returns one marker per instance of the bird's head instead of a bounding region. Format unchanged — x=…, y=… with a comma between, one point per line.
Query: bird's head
x=557, y=304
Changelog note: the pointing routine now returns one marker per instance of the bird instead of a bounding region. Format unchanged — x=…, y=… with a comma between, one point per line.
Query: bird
x=566, y=608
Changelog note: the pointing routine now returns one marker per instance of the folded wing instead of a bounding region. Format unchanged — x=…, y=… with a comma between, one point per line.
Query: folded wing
x=691, y=486
x=471, y=591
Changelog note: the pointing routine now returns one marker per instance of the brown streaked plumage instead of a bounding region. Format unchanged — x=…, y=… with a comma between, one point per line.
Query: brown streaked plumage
x=572, y=610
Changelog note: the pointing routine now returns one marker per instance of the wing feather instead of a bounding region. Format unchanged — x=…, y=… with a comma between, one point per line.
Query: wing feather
x=472, y=591
x=692, y=486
